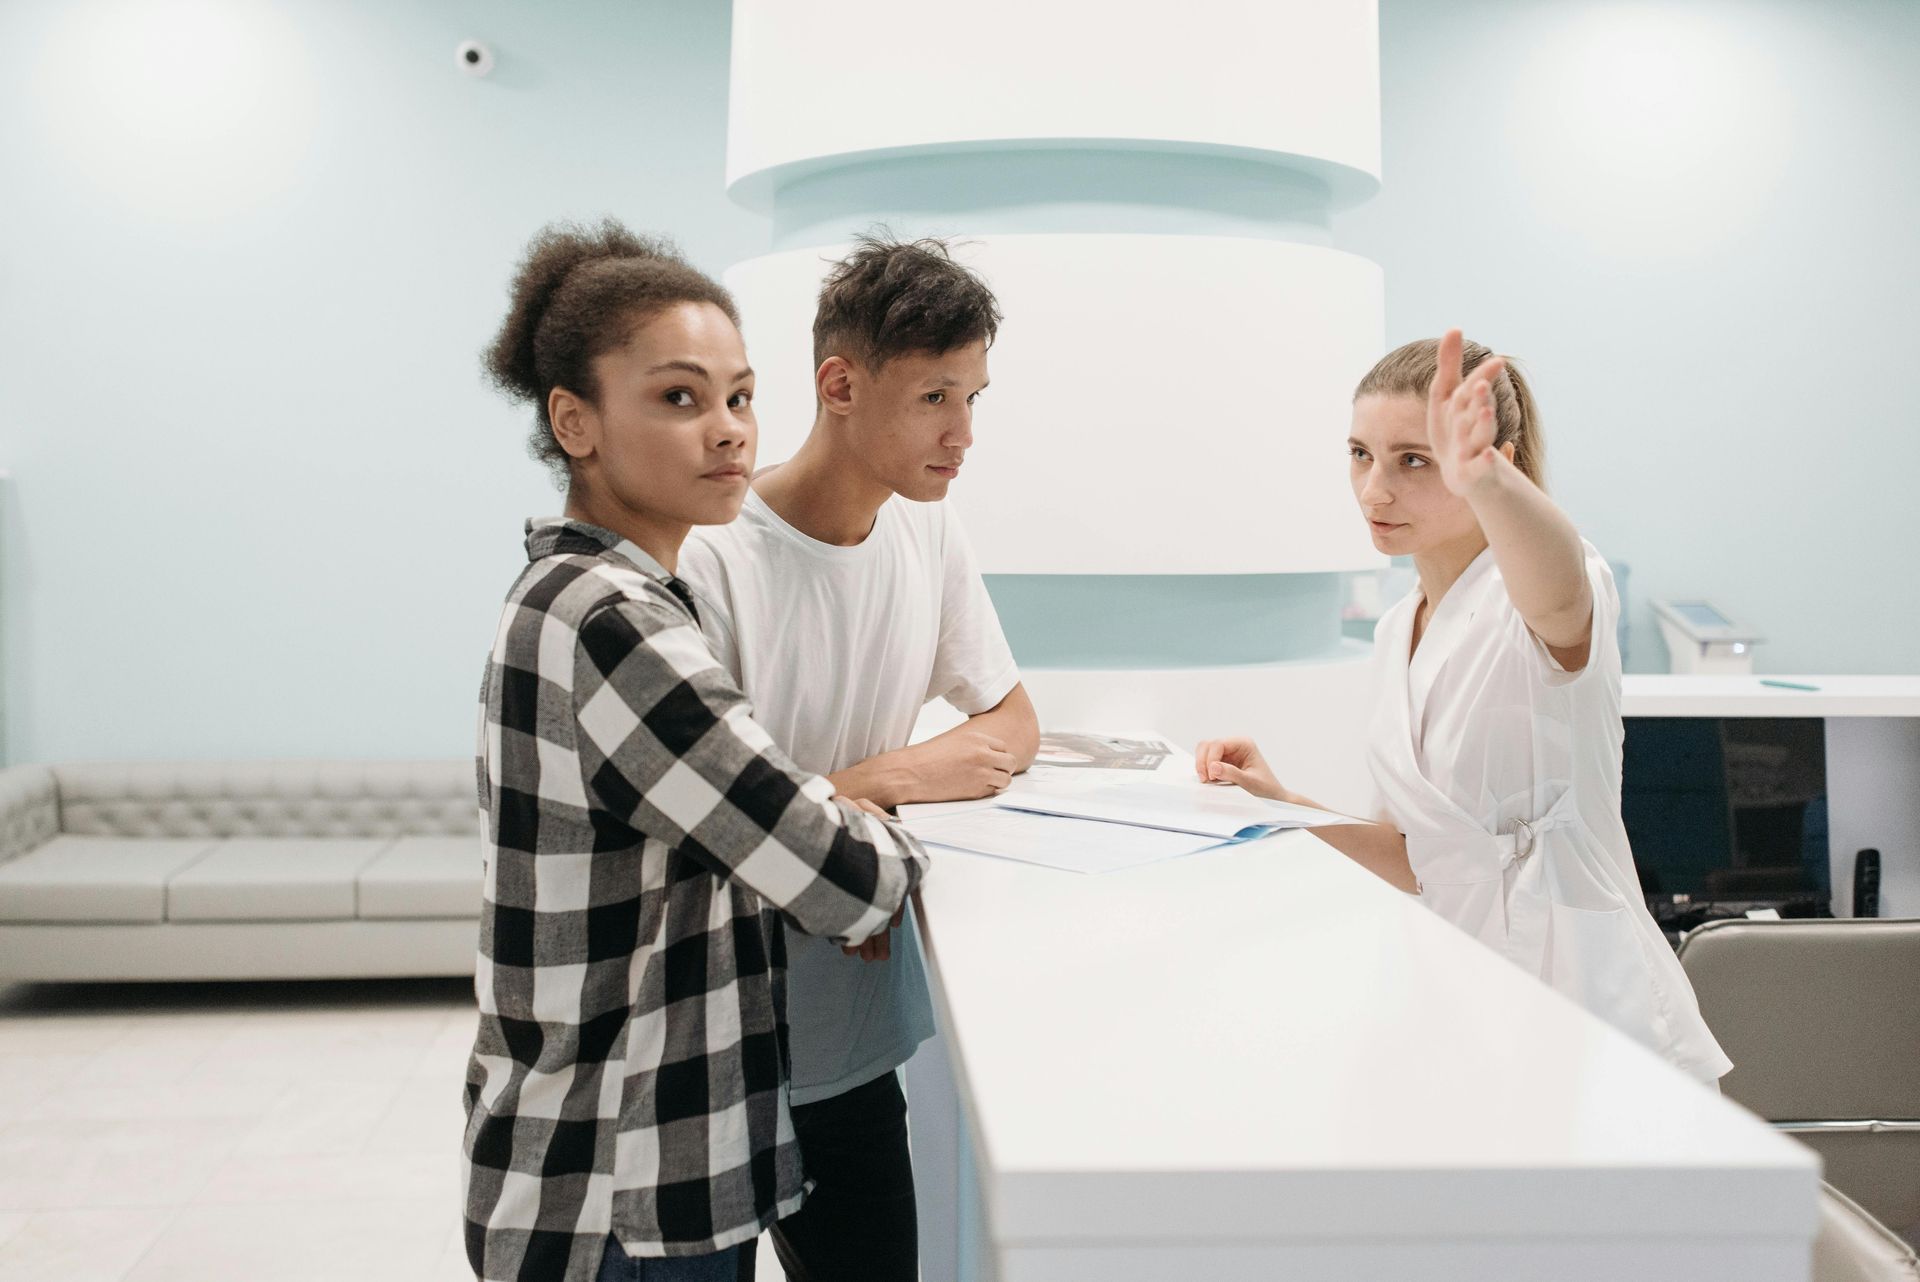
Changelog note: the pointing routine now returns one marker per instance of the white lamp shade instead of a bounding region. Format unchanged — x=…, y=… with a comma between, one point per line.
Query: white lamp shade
x=818, y=86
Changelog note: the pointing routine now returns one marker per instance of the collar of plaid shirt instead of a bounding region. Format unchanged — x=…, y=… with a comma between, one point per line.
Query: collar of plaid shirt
x=560, y=535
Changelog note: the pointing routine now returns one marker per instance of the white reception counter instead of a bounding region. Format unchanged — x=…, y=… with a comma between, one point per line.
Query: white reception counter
x=1261, y=1062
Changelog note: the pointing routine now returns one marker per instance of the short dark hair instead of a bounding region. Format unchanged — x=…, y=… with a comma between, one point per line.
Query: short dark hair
x=891, y=297
x=579, y=293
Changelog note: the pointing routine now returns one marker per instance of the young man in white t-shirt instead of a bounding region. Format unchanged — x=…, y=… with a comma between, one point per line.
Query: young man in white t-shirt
x=843, y=599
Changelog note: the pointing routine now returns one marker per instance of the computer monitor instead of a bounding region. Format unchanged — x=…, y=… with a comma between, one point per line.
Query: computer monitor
x=1730, y=812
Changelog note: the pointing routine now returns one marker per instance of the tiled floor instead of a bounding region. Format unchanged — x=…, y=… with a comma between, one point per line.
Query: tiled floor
x=243, y=1132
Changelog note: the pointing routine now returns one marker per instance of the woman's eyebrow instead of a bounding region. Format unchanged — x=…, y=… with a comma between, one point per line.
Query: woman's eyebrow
x=691, y=367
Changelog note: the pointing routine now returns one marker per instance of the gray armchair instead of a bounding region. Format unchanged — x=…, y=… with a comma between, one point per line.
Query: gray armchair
x=1822, y=1021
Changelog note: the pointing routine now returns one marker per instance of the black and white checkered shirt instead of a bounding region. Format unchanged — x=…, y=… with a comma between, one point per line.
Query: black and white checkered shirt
x=645, y=838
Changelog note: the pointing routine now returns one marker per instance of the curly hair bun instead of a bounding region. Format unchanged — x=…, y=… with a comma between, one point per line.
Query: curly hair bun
x=578, y=293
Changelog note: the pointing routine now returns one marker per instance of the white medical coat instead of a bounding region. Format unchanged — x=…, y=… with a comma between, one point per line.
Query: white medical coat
x=1503, y=770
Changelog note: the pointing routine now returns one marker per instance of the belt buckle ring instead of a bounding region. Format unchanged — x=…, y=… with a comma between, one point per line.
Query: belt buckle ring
x=1522, y=848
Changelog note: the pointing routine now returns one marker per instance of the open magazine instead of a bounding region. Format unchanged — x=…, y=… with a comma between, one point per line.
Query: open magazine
x=1078, y=751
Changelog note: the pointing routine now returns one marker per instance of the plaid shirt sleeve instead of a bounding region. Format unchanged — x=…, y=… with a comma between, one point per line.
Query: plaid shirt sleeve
x=669, y=744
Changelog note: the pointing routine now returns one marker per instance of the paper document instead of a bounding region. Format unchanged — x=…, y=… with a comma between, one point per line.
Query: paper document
x=1206, y=810
x=1075, y=845
x=1099, y=818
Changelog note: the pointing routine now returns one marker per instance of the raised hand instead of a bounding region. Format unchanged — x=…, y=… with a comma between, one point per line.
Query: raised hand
x=1460, y=422
x=1238, y=761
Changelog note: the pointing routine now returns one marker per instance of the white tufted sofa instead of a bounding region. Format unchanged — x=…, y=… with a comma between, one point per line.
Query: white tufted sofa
x=243, y=870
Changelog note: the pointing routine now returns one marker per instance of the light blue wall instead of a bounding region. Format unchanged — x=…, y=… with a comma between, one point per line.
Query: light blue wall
x=1696, y=224
x=262, y=504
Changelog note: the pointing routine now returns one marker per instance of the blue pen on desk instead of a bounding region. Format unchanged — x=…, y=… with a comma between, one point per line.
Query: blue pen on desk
x=1786, y=685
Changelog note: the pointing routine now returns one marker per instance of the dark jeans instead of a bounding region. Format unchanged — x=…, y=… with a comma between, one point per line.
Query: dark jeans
x=617, y=1266
x=859, y=1224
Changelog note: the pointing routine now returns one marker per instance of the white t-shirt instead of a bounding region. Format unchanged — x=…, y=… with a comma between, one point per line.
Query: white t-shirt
x=838, y=649
x=1503, y=770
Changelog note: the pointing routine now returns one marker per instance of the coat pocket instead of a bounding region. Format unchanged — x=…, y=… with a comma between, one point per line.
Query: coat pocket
x=1595, y=957
x=1595, y=952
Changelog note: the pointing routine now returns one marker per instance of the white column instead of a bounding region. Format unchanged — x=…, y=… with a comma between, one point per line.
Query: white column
x=1147, y=189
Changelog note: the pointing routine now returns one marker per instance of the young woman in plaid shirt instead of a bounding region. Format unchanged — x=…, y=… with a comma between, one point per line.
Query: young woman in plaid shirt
x=627, y=1094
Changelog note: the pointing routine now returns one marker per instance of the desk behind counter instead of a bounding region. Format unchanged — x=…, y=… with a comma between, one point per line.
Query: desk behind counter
x=1872, y=738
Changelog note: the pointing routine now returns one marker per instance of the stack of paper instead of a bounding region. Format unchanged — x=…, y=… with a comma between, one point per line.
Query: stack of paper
x=1108, y=825
x=1207, y=810
x=1075, y=845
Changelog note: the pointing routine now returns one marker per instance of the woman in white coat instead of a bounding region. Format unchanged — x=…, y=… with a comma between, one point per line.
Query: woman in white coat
x=1495, y=737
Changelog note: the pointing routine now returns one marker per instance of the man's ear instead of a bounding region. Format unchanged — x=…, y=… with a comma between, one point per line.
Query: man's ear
x=833, y=384
x=575, y=425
